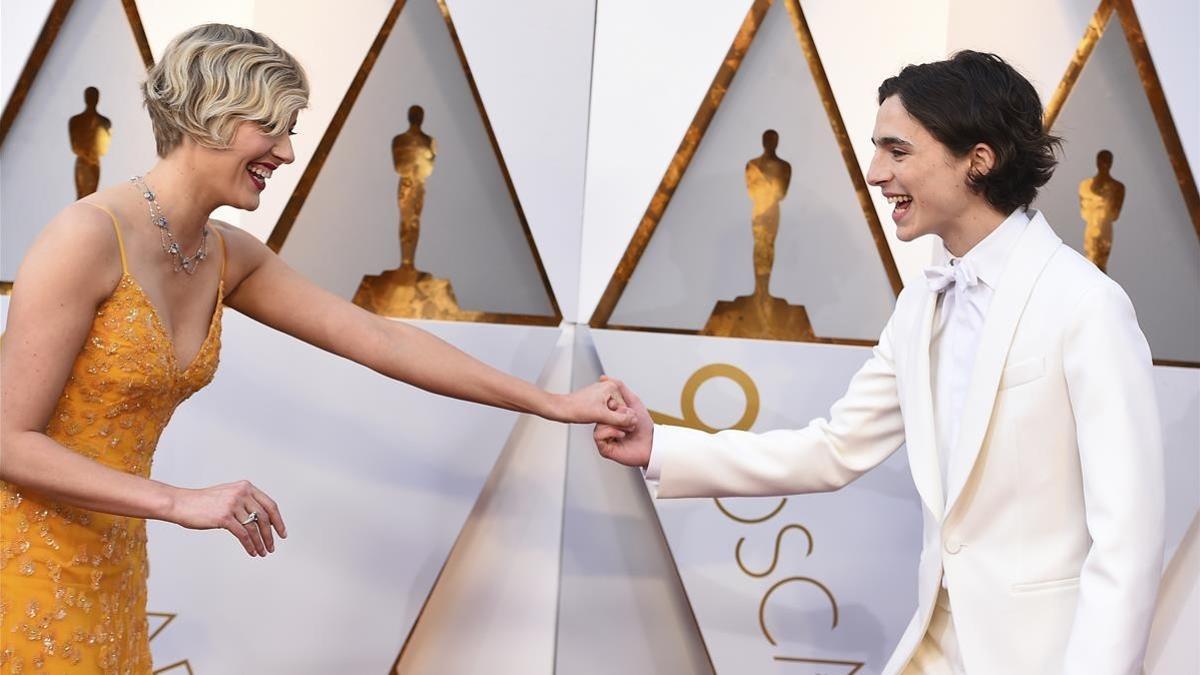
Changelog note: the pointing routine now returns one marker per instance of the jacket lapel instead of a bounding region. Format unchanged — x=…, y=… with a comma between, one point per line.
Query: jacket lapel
x=922, y=446
x=1034, y=249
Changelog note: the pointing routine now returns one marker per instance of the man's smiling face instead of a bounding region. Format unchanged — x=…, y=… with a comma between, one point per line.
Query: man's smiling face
x=918, y=174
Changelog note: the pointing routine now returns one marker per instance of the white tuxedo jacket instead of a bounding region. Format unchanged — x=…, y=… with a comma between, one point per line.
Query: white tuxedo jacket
x=1050, y=529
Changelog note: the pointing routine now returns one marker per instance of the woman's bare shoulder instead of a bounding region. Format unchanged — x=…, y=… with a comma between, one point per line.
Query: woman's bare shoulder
x=245, y=252
x=76, y=252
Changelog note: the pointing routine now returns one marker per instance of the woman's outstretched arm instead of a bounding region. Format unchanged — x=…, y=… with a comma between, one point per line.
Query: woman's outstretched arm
x=266, y=289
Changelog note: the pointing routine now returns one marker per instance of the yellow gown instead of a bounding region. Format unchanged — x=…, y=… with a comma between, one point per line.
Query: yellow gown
x=73, y=582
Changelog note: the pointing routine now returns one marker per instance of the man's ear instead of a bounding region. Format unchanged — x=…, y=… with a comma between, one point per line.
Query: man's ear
x=982, y=160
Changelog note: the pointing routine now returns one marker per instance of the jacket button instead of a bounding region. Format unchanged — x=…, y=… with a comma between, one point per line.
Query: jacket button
x=953, y=546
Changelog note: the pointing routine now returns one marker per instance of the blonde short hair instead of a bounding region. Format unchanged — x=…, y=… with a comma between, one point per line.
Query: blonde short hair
x=214, y=76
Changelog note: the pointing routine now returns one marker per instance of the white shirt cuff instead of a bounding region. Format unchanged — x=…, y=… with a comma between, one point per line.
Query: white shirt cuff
x=654, y=467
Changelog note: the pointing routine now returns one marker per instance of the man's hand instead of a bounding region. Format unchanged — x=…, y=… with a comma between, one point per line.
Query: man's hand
x=629, y=446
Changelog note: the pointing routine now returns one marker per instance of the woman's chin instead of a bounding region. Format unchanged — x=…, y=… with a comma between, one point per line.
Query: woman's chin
x=247, y=203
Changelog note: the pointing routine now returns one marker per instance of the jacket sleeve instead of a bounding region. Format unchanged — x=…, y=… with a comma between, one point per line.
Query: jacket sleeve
x=864, y=427
x=1110, y=383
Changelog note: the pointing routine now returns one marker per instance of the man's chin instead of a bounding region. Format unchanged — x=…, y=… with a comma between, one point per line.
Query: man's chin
x=907, y=233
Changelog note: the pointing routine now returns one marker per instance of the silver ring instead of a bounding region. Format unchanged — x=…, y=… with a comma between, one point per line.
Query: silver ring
x=252, y=518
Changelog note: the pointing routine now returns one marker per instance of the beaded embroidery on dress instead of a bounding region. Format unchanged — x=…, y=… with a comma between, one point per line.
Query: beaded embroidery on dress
x=73, y=582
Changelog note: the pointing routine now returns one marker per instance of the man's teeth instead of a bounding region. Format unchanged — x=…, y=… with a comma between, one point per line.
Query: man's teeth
x=899, y=199
x=262, y=172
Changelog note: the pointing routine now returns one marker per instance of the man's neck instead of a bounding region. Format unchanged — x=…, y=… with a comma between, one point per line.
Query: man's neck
x=972, y=228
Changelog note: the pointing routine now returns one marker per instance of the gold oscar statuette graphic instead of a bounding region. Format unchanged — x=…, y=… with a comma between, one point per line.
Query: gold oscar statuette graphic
x=760, y=315
x=408, y=292
x=1100, y=201
x=413, y=153
x=91, y=134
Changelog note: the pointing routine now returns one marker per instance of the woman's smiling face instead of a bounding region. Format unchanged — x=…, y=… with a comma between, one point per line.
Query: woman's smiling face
x=241, y=171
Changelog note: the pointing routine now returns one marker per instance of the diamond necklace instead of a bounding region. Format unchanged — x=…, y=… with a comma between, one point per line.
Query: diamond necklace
x=179, y=261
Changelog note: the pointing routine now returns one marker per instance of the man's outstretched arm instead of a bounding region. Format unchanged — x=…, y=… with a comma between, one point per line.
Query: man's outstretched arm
x=865, y=426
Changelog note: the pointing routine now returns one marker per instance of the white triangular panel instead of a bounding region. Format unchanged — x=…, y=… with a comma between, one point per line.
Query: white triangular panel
x=374, y=480
x=622, y=607
x=702, y=249
x=866, y=537
x=1170, y=32
x=537, y=94
x=471, y=233
x=19, y=30
x=500, y=584
x=1155, y=252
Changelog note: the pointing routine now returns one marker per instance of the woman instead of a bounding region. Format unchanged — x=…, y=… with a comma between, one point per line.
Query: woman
x=116, y=318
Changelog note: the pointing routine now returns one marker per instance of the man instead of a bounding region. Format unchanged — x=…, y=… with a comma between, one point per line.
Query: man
x=1019, y=380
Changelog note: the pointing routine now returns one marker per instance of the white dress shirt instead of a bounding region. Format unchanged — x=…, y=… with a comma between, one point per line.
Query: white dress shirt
x=958, y=323
x=958, y=318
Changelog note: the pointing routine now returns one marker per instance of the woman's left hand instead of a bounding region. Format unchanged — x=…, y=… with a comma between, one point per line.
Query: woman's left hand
x=597, y=403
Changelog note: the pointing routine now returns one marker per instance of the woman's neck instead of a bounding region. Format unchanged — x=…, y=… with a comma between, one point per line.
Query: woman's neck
x=179, y=189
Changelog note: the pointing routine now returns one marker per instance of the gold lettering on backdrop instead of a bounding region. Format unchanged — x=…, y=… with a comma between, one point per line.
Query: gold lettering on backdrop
x=406, y=291
x=91, y=134
x=1100, y=201
x=167, y=618
x=760, y=314
x=762, y=607
x=691, y=418
x=737, y=550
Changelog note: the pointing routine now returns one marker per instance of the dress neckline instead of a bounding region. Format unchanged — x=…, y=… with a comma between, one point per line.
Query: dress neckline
x=156, y=318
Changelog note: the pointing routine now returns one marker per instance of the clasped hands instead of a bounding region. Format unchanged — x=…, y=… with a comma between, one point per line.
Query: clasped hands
x=627, y=444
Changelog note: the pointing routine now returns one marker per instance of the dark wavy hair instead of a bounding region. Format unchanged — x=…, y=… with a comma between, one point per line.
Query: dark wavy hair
x=978, y=98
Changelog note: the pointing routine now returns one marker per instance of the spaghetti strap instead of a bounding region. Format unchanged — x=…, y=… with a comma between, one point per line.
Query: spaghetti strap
x=120, y=239
x=224, y=254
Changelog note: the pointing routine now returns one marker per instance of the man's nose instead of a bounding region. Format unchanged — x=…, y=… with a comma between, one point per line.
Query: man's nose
x=877, y=174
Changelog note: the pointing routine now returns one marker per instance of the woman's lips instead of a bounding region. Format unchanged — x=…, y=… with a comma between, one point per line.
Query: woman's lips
x=259, y=183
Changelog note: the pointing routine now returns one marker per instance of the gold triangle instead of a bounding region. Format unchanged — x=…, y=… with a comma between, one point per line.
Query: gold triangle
x=167, y=618
x=37, y=56
x=184, y=664
x=41, y=49
x=1136, y=40
x=756, y=321
x=291, y=210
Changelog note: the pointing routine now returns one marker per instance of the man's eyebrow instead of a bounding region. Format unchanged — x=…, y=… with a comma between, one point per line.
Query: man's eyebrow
x=887, y=141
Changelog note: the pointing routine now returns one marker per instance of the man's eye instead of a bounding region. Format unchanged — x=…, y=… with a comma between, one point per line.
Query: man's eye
x=898, y=154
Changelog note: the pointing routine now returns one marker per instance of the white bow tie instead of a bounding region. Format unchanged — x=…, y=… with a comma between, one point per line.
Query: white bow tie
x=958, y=273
